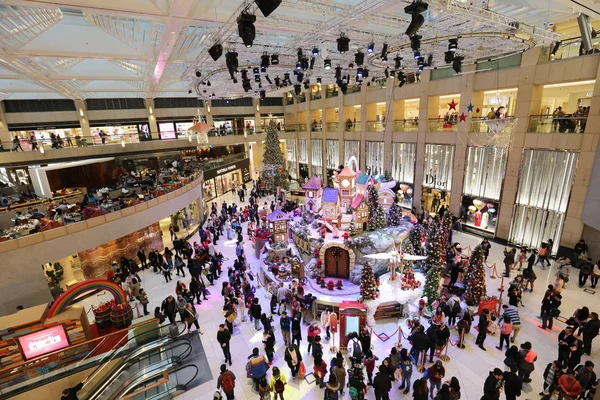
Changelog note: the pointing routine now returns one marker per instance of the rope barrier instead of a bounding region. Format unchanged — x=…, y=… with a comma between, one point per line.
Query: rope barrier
x=454, y=344
x=384, y=337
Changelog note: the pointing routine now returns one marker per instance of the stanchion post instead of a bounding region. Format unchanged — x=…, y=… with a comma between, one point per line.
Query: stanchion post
x=501, y=290
x=461, y=339
x=421, y=367
x=445, y=357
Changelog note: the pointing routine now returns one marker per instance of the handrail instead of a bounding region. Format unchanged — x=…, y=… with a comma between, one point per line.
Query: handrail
x=161, y=394
x=143, y=375
x=164, y=380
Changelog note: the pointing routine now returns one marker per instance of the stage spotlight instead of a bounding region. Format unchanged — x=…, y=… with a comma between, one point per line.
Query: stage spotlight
x=397, y=62
x=246, y=85
x=267, y=6
x=350, y=66
x=327, y=64
x=338, y=72
x=371, y=48
x=315, y=52
x=359, y=73
x=306, y=85
x=417, y=54
x=300, y=76
x=215, y=51
x=246, y=29
x=298, y=66
x=274, y=59
x=448, y=57
x=417, y=20
x=319, y=80
x=420, y=62
x=365, y=73
x=255, y=71
x=244, y=73
x=198, y=74
x=286, y=77
x=304, y=63
x=384, y=51
x=263, y=69
x=343, y=44
x=415, y=42
x=312, y=63
x=297, y=89
x=190, y=91
x=264, y=61
x=257, y=78
x=262, y=94
x=277, y=81
x=208, y=83
x=359, y=58
x=430, y=60
x=452, y=45
x=231, y=61
x=457, y=64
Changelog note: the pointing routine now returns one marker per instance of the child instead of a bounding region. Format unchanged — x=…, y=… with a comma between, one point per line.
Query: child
x=521, y=259
x=320, y=369
x=369, y=362
x=264, y=390
x=492, y=328
x=506, y=328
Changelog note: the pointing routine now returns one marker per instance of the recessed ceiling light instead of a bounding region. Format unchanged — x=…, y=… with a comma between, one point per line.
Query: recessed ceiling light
x=173, y=32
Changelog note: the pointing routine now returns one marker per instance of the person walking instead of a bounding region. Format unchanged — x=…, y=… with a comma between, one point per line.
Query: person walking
x=293, y=358
x=382, y=384
x=223, y=337
x=331, y=388
x=179, y=264
x=513, y=313
x=191, y=317
x=340, y=373
x=142, y=257
x=312, y=331
x=169, y=308
x=226, y=381
x=482, y=326
x=278, y=383
x=506, y=328
x=326, y=321
x=493, y=385
x=369, y=362
x=285, y=324
x=258, y=366
x=296, y=328
x=590, y=331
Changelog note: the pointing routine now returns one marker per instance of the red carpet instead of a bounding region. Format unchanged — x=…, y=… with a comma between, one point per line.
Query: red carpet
x=111, y=341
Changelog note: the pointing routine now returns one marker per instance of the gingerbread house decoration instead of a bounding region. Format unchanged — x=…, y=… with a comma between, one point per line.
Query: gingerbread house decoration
x=330, y=207
x=312, y=194
x=362, y=182
x=386, y=194
x=361, y=212
x=278, y=225
x=347, y=182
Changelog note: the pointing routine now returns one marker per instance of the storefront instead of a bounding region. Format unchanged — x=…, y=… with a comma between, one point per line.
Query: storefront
x=484, y=174
x=437, y=177
x=174, y=129
x=374, y=157
x=317, y=157
x=332, y=159
x=403, y=171
x=118, y=132
x=351, y=149
x=220, y=180
x=277, y=119
x=303, y=158
x=545, y=181
x=43, y=134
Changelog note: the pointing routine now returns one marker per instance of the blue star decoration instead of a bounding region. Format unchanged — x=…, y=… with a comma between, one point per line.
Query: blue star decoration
x=470, y=107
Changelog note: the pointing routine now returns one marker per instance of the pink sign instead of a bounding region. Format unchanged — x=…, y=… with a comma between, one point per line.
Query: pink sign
x=43, y=342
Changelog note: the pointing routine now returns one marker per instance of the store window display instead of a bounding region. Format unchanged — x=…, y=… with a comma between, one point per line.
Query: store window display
x=479, y=213
x=432, y=200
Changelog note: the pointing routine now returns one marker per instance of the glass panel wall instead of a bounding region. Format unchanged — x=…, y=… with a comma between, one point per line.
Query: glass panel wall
x=317, y=157
x=545, y=181
x=290, y=145
x=352, y=149
x=403, y=170
x=303, y=158
x=332, y=158
x=374, y=157
x=437, y=177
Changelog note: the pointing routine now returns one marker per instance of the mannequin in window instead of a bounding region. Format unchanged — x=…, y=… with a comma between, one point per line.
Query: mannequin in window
x=478, y=217
x=485, y=217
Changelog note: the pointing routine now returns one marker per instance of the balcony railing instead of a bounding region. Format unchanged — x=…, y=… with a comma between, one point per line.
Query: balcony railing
x=406, y=125
x=316, y=127
x=302, y=128
x=352, y=89
x=480, y=125
x=315, y=96
x=350, y=126
x=288, y=101
x=331, y=93
x=332, y=126
x=441, y=125
x=375, y=126
x=550, y=124
x=26, y=144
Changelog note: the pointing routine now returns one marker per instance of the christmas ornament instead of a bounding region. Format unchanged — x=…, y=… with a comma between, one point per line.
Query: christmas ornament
x=452, y=105
x=462, y=117
x=477, y=110
x=470, y=107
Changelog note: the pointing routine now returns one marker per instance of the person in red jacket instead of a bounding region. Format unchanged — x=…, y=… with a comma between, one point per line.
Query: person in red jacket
x=369, y=362
x=436, y=373
x=569, y=385
x=312, y=331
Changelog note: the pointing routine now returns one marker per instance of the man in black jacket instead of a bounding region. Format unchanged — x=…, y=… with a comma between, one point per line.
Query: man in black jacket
x=382, y=385
x=433, y=339
x=493, y=385
x=169, y=308
x=420, y=343
x=482, y=326
x=512, y=384
x=223, y=337
x=71, y=393
x=590, y=331
x=142, y=257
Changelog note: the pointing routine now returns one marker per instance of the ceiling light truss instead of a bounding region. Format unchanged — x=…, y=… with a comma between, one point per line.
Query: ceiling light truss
x=20, y=25
x=143, y=36
x=322, y=6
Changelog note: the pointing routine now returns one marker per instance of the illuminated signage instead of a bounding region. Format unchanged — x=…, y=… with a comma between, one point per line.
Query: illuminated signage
x=43, y=342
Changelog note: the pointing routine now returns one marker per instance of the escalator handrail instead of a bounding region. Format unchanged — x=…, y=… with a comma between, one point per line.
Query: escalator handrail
x=162, y=394
x=144, y=375
x=103, y=362
x=162, y=345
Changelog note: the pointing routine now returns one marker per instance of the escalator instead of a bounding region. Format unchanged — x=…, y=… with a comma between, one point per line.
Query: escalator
x=153, y=370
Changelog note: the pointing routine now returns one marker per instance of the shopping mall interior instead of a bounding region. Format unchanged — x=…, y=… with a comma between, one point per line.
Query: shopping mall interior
x=377, y=160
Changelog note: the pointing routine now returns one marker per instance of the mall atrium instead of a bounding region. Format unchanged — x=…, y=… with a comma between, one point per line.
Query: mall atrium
x=175, y=174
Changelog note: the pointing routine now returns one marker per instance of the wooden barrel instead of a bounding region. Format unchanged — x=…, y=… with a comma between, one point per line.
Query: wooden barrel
x=103, y=319
x=121, y=318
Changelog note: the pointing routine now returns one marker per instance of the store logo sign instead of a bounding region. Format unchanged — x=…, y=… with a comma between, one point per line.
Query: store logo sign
x=432, y=180
x=232, y=167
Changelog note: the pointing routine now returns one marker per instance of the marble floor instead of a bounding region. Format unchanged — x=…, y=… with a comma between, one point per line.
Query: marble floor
x=471, y=366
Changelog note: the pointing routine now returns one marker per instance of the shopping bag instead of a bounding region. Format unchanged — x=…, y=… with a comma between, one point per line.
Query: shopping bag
x=302, y=370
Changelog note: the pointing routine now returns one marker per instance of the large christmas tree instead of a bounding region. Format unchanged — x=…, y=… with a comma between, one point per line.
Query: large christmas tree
x=368, y=287
x=475, y=277
x=436, y=245
x=273, y=156
x=394, y=215
x=376, y=214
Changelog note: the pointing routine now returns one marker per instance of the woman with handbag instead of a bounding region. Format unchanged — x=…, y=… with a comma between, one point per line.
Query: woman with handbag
x=191, y=317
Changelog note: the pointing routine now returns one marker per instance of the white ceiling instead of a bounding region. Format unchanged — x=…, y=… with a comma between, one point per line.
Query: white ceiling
x=152, y=48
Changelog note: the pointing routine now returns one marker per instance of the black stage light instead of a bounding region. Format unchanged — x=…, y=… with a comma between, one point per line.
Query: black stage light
x=300, y=76
x=198, y=74
x=244, y=73
x=448, y=57
x=430, y=60
x=190, y=91
x=414, y=10
x=384, y=51
x=359, y=73
x=263, y=69
x=319, y=80
x=371, y=48
x=286, y=76
x=255, y=71
x=452, y=45
x=274, y=59
x=297, y=89
x=267, y=6
x=327, y=64
x=312, y=62
x=262, y=94
x=343, y=88
x=457, y=64
x=315, y=52
x=306, y=85
x=246, y=85
x=208, y=83
x=343, y=44
x=350, y=66
x=338, y=72
x=231, y=59
x=365, y=73
x=304, y=63
x=215, y=51
x=359, y=58
x=277, y=81
x=420, y=62
x=417, y=54
x=268, y=79
x=300, y=55
x=555, y=48
x=264, y=61
x=257, y=78
x=213, y=95
x=298, y=66
x=397, y=62
x=246, y=29
x=415, y=42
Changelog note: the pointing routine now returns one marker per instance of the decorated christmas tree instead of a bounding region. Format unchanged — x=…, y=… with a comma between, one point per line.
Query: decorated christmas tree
x=432, y=285
x=475, y=277
x=394, y=215
x=376, y=214
x=436, y=245
x=352, y=229
x=368, y=287
x=273, y=156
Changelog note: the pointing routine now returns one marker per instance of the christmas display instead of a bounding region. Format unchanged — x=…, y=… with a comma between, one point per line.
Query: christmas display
x=408, y=280
x=474, y=279
x=274, y=156
x=368, y=286
x=376, y=214
x=394, y=215
x=352, y=231
x=436, y=244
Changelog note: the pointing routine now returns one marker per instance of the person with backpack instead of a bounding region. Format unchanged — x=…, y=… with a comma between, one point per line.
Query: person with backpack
x=356, y=384
x=382, y=384
x=505, y=331
x=332, y=388
x=512, y=357
x=278, y=383
x=258, y=367
x=452, y=309
x=293, y=358
x=226, y=381
x=355, y=352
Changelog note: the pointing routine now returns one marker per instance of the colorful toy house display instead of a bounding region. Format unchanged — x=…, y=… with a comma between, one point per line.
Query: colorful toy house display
x=312, y=194
x=362, y=182
x=386, y=194
x=278, y=225
x=330, y=208
x=347, y=182
x=361, y=212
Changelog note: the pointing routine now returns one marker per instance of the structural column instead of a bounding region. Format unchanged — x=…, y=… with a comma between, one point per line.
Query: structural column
x=83, y=119
x=257, y=117
x=5, y=136
x=420, y=156
x=389, y=126
x=152, y=119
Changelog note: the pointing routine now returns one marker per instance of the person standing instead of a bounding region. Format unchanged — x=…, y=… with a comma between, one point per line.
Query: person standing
x=382, y=384
x=169, y=308
x=528, y=357
x=312, y=331
x=258, y=367
x=269, y=344
x=505, y=331
x=509, y=260
x=226, y=381
x=369, y=362
x=340, y=373
x=486, y=246
x=590, y=331
x=142, y=257
x=435, y=374
x=256, y=313
x=293, y=358
x=143, y=298
x=406, y=366
x=513, y=384
x=296, y=328
x=191, y=317
x=482, y=326
x=565, y=341
x=493, y=385
x=278, y=383
x=513, y=313
x=326, y=321
x=223, y=337
x=285, y=324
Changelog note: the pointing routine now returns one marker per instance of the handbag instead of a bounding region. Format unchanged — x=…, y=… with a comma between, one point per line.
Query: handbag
x=555, y=312
x=231, y=317
x=301, y=370
x=571, y=321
